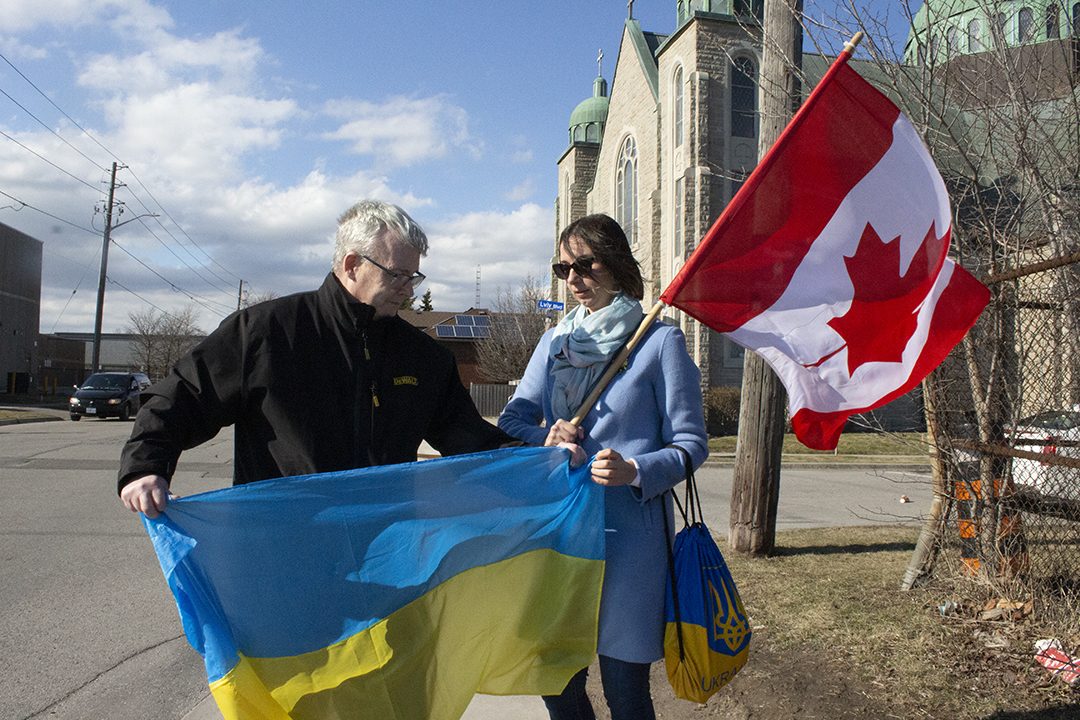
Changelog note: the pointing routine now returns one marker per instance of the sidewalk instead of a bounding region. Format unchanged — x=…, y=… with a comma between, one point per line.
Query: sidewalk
x=483, y=707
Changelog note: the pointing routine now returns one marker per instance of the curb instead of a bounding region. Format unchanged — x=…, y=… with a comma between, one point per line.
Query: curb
x=30, y=419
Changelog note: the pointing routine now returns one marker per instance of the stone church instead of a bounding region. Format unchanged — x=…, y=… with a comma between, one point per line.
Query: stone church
x=665, y=149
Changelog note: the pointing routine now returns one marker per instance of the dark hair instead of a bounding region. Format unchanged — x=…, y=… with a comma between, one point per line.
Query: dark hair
x=610, y=247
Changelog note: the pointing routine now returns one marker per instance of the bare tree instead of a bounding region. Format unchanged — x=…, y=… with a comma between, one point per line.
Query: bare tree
x=516, y=326
x=994, y=94
x=160, y=338
x=251, y=298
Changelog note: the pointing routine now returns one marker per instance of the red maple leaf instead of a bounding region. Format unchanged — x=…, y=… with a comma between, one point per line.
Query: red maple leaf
x=882, y=317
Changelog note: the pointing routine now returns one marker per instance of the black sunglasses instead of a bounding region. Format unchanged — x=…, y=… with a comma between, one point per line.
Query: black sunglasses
x=582, y=266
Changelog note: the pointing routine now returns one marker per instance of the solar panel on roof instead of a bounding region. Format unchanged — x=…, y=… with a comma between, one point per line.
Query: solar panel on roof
x=464, y=331
x=445, y=331
x=463, y=320
x=482, y=332
x=482, y=320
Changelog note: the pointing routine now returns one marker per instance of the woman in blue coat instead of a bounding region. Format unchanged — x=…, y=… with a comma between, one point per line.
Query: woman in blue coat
x=653, y=404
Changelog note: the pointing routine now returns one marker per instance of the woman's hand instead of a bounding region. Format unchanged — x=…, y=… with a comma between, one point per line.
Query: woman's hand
x=609, y=468
x=563, y=432
x=577, y=455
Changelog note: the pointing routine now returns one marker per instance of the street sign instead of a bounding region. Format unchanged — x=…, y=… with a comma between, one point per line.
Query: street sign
x=549, y=305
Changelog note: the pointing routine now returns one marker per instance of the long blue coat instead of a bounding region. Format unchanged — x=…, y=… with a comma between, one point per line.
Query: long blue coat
x=653, y=403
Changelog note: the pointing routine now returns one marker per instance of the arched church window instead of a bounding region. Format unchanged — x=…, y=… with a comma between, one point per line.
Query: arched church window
x=743, y=97
x=626, y=189
x=1026, y=25
x=1053, y=22
x=975, y=43
x=953, y=41
x=677, y=107
x=1076, y=19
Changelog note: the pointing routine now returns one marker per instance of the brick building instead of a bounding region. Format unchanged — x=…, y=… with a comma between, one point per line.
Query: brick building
x=20, y=307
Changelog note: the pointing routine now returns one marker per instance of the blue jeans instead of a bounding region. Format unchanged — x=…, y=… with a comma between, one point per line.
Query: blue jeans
x=626, y=690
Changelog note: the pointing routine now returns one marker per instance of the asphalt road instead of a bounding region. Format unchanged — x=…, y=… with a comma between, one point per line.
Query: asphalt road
x=88, y=628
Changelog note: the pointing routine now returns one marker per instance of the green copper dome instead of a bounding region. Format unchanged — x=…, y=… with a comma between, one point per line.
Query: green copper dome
x=588, y=119
x=944, y=29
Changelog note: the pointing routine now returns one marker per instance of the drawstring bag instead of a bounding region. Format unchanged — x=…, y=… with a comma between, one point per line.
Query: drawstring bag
x=707, y=635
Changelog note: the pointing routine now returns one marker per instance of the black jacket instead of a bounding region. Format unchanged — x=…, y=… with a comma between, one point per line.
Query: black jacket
x=313, y=384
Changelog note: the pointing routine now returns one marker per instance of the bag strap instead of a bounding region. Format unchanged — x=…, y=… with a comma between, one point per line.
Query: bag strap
x=671, y=576
x=692, y=515
x=690, y=500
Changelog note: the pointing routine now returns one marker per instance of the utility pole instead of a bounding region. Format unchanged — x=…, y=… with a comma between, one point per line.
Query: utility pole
x=95, y=365
x=240, y=295
x=756, y=486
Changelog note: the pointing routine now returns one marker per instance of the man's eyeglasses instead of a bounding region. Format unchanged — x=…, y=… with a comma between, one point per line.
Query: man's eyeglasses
x=400, y=279
x=582, y=266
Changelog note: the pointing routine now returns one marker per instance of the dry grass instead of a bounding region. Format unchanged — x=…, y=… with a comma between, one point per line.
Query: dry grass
x=855, y=444
x=834, y=592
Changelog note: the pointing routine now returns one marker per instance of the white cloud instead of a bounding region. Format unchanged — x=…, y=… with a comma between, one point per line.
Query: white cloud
x=127, y=15
x=401, y=131
x=521, y=157
x=192, y=118
x=225, y=59
x=508, y=247
x=522, y=191
x=13, y=49
x=196, y=134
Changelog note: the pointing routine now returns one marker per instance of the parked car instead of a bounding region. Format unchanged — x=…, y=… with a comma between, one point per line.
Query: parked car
x=1053, y=432
x=107, y=394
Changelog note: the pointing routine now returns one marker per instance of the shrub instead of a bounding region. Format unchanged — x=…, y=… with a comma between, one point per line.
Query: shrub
x=722, y=410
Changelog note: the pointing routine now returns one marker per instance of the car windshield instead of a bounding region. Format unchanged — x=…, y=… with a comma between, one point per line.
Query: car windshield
x=1053, y=420
x=105, y=382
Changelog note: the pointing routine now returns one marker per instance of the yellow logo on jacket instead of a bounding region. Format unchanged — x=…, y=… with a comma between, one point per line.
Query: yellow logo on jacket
x=405, y=380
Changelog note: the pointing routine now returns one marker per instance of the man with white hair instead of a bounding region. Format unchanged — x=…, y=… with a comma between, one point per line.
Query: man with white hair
x=315, y=382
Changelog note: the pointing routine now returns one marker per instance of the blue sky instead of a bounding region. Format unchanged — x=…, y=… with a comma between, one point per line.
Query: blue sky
x=250, y=133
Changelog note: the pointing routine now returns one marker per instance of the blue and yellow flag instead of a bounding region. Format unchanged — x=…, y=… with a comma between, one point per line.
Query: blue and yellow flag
x=390, y=592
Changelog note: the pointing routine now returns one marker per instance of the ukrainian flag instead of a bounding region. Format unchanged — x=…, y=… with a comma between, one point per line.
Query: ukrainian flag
x=390, y=592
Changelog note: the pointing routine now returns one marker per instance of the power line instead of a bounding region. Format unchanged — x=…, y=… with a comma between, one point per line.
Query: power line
x=181, y=245
x=50, y=162
x=129, y=290
x=72, y=295
x=180, y=227
x=180, y=259
x=192, y=296
x=137, y=179
x=49, y=214
x=58, y=135
x=58, y=108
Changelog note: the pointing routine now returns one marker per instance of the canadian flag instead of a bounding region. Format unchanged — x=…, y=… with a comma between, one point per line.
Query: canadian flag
x=831, y=261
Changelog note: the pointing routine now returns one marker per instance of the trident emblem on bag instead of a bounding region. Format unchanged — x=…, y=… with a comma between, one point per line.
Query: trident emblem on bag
x=729, y=622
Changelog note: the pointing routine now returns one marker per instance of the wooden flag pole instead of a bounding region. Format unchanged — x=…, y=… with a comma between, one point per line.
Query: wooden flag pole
x=616, y=364
x=850, y=45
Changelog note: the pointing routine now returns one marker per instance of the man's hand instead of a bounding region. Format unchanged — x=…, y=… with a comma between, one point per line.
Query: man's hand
x=148, y=494
x=609, y=468
x=563, y=432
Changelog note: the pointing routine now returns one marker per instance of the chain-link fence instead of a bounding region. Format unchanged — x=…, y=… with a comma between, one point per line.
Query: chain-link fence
x=1003, y=418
